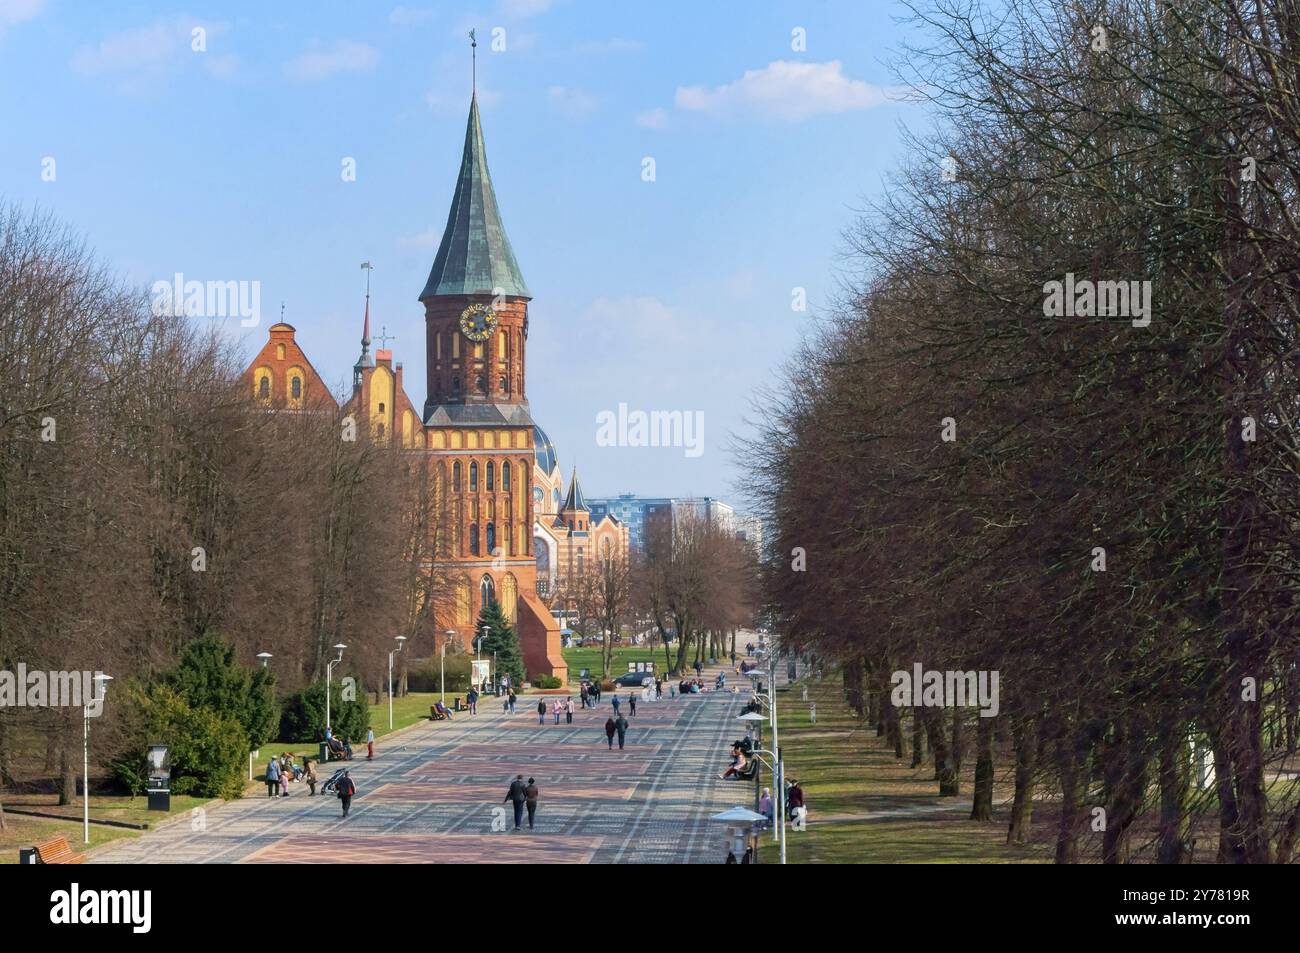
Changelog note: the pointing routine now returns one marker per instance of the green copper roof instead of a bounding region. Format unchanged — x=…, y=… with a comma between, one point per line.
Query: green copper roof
x=475, y=255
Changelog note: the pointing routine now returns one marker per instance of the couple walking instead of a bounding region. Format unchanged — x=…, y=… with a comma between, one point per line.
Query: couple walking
x=523, y=795
x=615, y=726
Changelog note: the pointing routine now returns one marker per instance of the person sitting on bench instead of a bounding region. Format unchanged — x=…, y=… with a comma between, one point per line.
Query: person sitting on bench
x=443, y=710
x=738, y=766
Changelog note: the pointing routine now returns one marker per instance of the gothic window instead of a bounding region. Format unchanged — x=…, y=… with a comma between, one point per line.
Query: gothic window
x=473, y=477
x=491, y=539
x=264, y=388
x=491, y=473
x=279, y=352
x=480, y=384
x=504, y=385
x=473, y=539
x=487, y=591
x=455, y=477
x=295, y=388
x=505, y=476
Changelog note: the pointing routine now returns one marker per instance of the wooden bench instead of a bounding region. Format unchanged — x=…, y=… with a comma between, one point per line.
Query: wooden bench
x=57, y=850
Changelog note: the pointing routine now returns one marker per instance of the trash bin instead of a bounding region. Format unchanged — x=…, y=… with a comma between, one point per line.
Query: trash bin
x=324, y=752
x=27, y=855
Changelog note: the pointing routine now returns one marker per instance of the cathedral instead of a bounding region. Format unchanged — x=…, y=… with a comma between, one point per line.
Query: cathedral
x=512, y=539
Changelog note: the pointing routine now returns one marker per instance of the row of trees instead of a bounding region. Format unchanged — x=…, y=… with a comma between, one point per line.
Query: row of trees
x=146, y=501
x=1099, y=503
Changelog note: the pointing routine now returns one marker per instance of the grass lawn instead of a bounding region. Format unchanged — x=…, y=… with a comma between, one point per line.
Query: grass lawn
x=590, y=658
x=24, y=831
x=846, y=770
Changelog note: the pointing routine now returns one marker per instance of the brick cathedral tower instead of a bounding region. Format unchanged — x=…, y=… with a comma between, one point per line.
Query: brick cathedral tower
x=476, y=414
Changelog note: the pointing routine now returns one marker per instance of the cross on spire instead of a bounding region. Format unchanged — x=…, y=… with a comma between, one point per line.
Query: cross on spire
x=384, y=337
x=473, y=55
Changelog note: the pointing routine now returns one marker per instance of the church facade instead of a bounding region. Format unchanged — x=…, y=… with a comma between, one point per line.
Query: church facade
x=474, y=424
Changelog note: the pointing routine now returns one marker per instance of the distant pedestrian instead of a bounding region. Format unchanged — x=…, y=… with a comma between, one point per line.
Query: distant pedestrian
x=557, y=709
x=568, y=710
x=530, y=799
x=517, y=797
x=631, y=703
x=472, y=700
x=659, y=688
x=273, y=778
x=346, y=789
x=698, y=668
x=582, y=695
x=672, y=691
x=284, y=782
x=610, y=728
x=309, y=775
x=541, y=712
x=370, y=745
x=511, y=696
x=620, y=725
x=614, y=700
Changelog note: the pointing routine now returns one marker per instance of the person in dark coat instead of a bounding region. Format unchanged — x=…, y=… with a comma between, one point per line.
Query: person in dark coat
x=530, y=799
x=346, y=791
x=631, y=703
x=517, y=797
x=610, y=728
x=620, y=725
x=541, y=712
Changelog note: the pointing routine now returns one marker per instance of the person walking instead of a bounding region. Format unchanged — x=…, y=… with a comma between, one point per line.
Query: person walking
x=511, y=697
x=659, y=688
x=370, y=745
x=273, y=778
x=557, y=707
x=610, y=728
x=309, y=775
x=472, y=699
x=699, y=669
x=582, y=695
x=284, y=781
x=568, y=710
x=614, y=700
x=530, y=800
x=346, y=790
x=541, y=712
x=620, y=725
x=631, y=703
x=517, y=797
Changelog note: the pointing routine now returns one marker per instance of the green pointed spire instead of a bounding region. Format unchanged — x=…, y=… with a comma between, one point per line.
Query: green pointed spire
x=575, y=500
x=475, y=256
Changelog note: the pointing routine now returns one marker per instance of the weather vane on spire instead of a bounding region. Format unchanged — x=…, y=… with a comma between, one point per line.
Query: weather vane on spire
x=473, y=54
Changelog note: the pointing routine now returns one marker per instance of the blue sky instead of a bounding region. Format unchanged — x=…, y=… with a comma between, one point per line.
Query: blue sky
x=674, y=294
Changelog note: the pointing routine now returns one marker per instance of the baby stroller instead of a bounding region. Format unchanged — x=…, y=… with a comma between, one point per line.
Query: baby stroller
x=331, y=786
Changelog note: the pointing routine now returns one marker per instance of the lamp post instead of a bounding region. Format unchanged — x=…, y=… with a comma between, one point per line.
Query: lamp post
x=329, y=673
x=265, y=657
x=401, y=640
x=487, y=630
x=101, y=687
x=442, y=665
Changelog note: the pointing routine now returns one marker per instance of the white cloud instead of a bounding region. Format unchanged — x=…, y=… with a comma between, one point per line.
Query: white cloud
x=653, y=118
x=149, y=49
x=571, y=101
x=410, y=16
x=785, y=89
x=345, y=56
x=19, y=11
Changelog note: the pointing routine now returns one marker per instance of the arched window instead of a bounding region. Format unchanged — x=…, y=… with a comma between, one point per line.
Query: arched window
x=487, y=591
x=473, y=477
x=510, y=540
x=264, y=388
x=279, y=352
x=491, y=539
x=473, y=539
x=295, y=388
x=504, y=384
x=505, y=476
x=480, y=383
x=381, y=406
x=455, y=477
x=491, y=473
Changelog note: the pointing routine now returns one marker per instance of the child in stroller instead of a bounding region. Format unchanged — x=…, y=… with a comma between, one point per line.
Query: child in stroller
x=329, y=786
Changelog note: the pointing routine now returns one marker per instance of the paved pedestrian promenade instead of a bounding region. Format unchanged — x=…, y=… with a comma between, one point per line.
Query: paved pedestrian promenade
x=434, y=795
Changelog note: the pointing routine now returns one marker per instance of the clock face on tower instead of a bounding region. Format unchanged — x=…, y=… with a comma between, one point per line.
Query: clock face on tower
x=477, y=322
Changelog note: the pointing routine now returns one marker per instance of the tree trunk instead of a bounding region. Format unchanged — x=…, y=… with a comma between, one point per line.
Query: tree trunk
x=944, y=768
x=1174, y=843
x=918, y=738
x=1022, y=806
x=1073, y=813
x=982, y=807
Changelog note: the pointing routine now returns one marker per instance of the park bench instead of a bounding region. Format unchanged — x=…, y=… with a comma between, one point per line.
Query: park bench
x=750, y=770
x=57, y=850
x=437, y=715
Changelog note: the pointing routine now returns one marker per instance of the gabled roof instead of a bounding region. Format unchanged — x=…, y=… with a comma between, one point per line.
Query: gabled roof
x=475, y=256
